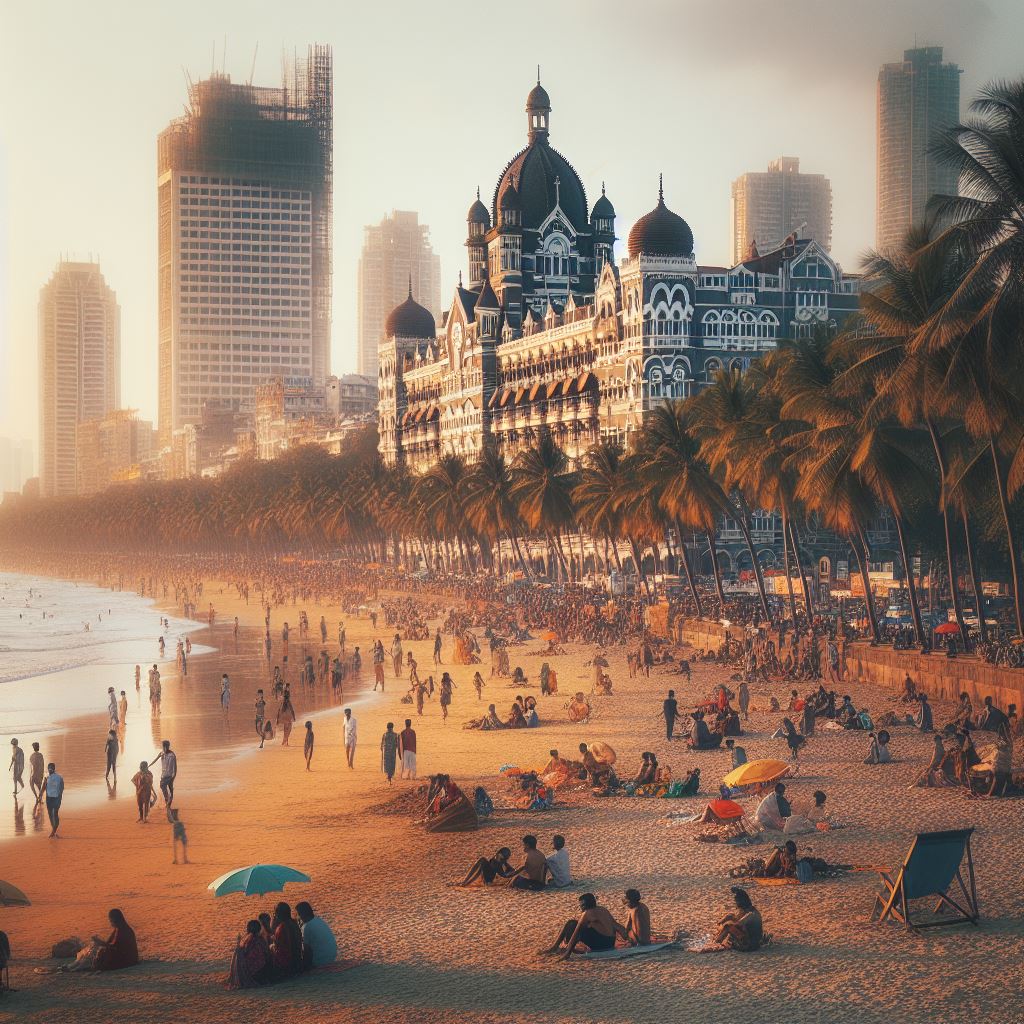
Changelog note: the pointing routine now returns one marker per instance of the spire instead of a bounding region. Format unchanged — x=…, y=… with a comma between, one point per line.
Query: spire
x=410, y=284
x=478, y=191
x=661, y=189
x=460, y=273
x=538, y=74
x=558, y=182
x=602, y=188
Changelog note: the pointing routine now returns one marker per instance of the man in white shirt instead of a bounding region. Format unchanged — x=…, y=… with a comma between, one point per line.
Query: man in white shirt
x=319, y=945
x=168, y=771
x=54, y=795
x=558, y=863
x=350, y=737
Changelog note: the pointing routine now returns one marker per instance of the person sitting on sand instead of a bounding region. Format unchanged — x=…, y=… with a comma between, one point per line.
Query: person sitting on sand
x=739, y=754
x=531, y=874
x=319, y=946
x=637, y=929
x=487, y=869
x=516, y=719
x=741, y=930
x=487, y=722
x=648, y=770
x=909, y=691
x=846, y=713
x=112, y=954
x=781, y=862
x=964, y=715
x=774, y=809
x=250, y=959
x=286, y=948
x=595, y=929
x=700, y=735
x=878, y=749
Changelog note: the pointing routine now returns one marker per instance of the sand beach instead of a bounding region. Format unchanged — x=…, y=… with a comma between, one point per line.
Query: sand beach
x=415, y=950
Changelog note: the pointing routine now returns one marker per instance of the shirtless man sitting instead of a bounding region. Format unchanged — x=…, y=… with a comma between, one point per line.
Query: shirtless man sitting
x=595, y=928
x=637, y=929
x=741, y=930
x=530, y=876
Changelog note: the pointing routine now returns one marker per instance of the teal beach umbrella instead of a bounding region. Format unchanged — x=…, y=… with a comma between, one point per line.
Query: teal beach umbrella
x=256, y=880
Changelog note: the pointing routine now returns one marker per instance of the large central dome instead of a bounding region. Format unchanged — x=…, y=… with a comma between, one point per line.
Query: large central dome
x=541, y=174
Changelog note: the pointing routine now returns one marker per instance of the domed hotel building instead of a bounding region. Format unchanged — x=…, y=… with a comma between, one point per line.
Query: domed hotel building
x=547, y=332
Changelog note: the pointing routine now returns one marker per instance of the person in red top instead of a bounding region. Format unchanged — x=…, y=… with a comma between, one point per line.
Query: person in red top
x=407, y=750
x=121, y=949
x=286, y=949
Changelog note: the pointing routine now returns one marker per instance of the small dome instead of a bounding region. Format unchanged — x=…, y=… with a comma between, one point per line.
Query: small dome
x=661, y=233
x=538, y=98
x=410, y=320
x=478, y=212
x=603, y=207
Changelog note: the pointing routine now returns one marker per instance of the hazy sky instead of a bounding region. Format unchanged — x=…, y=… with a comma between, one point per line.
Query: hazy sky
x=429, y=103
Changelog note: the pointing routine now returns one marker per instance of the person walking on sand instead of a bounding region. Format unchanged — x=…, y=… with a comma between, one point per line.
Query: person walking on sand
x=478, y=685
x=341, y=638
x=54, y=794
x=744, y=700
x=142, y=780
x=350, y=737
x=286, y=718
x=168, y=771
x=445, y=698
x=138, y=677
x=17, y=765
x=323, y=630
x=437, y=646
x=111, y=748
x=378, y=665
x=670, y=711
x=178, y=836
x=112, y=707
x=389, y=751
x=260, y=708
x=307, y=746
x=225, y=693
x=396, y=656
x=155, y=689
x=407, y=750
x=35, y=775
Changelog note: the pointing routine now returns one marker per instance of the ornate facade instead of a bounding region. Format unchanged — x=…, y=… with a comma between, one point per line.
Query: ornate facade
x=551, y=334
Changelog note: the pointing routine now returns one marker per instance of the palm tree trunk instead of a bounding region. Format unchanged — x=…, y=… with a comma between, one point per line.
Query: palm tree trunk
x=785, y=563
x=954, y=591
x=716, y=568
x=915, y=608
x=519, y=555
x=618, y=560
x=979, y=604
x=639, y=565
x=1011, y=539
x=685, y=558
x=744, y=521
x=860, y=549
x=794, y=536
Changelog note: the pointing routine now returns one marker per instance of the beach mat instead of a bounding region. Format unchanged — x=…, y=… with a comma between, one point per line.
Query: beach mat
x=623, y=951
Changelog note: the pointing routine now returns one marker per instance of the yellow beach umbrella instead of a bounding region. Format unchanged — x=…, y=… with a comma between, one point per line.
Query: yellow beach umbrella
x=12, y=896
x=754, y=773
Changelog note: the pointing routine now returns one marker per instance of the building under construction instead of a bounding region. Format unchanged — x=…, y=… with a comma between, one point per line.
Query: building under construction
x=244, y=200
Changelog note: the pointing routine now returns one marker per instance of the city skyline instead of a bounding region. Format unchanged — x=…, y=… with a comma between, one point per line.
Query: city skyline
x=409, y=123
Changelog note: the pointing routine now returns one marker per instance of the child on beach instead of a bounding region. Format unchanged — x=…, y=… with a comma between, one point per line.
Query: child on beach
x=178, y=836
x=142, y=780
x=307, y=746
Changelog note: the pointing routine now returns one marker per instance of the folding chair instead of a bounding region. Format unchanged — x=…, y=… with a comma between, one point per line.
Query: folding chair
x=930, y=869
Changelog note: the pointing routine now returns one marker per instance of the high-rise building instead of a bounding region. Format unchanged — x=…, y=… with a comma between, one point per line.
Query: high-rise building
x=916, y=98
x=79, y=366
x=244, y=232
x=17, y=463
x=396, y=254
x=767, y=206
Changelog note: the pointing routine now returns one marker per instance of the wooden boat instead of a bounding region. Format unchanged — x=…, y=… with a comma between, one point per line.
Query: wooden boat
x=458, y=816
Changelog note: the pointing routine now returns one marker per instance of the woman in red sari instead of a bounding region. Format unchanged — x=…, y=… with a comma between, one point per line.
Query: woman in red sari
x=121, y=949
x=250, y=960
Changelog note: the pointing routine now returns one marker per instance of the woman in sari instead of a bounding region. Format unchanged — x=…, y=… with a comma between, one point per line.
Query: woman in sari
x=249, y=960
x=121, y=949
x=487, y=722
x=516, y=718
x=389, y=751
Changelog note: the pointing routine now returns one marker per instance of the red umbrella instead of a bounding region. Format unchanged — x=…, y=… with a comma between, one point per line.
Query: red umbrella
x=946, y=628
x=726, y=810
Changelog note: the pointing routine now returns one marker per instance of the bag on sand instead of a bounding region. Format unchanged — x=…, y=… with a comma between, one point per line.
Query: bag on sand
x=66, y=949
x=804, y=871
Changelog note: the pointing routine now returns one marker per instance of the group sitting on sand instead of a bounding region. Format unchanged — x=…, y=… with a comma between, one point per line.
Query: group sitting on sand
x=281, y=947
x=522, y=715
x=596, y=930
x=534, y=874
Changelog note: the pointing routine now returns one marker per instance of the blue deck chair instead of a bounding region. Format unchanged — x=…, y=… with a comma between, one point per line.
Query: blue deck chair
x=930, y=869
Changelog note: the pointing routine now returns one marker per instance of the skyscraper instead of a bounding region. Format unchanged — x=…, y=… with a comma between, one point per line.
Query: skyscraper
x=395, y=252
x=244, y=232
x=79, y=366
x=769, y=205
x=916, y=98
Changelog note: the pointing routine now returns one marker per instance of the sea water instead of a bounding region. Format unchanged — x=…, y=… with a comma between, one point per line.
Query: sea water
x=49, y=625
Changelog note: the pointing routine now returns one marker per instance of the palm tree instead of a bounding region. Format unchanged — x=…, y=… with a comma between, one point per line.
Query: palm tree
x=542, y=491
x=718, y=414
x=441, y=490
x=980, y=326
x=488, y=502
x=598, y=493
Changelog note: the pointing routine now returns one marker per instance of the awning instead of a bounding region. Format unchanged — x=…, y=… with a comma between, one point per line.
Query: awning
x=405, y=417
x=506, y=395
x=433, y=413
x=419, y=415
x=585, y=380
x=493, y=399
x=534, y=391
x=519, y=395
